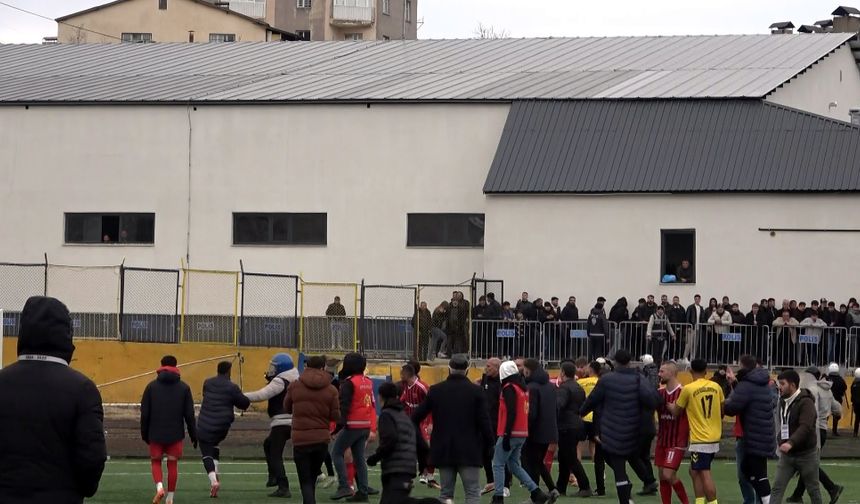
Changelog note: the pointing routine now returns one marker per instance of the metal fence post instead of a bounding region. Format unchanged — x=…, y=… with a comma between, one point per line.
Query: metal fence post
x=241, y=304
x=121, y=299
x=45, y=289
x=362, y=330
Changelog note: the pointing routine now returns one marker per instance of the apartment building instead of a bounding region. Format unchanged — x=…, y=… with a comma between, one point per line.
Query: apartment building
x=340, y=19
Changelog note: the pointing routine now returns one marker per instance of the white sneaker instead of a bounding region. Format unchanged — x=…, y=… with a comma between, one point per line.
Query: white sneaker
x=423, y=479
x=507, y=492
x=329, y=481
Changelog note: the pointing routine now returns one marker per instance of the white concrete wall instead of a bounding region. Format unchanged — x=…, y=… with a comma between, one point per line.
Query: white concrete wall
x=366, y=167
x=590, y=246
x=833, y=79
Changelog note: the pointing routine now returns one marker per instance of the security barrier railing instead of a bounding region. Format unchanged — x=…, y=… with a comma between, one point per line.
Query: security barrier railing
x=853, y=350
x=673, y=342
x=506, y=338
x=725, y=343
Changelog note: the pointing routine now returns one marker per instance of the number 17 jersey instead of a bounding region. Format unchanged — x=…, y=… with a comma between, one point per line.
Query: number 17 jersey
x=702, y=400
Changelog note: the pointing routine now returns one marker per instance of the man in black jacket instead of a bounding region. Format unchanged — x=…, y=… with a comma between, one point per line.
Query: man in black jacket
x=397, y=450
x=491, y=385
x=220, y=396
x=570, y=312
x=571, y=430
x=618, y=400
x=543, y=423
x=461, y=430
x=165, y=406
x=52, y=448
x=751, y=402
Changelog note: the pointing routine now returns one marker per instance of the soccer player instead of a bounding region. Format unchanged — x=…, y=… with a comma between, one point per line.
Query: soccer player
x=672, y=436
x=702, y=400
x=165, y=405
x=413, y=392
x=220, y=396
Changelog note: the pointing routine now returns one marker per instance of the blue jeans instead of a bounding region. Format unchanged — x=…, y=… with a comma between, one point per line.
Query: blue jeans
x=747, y=490
x=512, y=460
x=354, y=439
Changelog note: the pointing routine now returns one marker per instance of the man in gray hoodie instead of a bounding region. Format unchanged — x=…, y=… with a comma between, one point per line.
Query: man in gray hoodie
x=825, y=404
x=280, y=374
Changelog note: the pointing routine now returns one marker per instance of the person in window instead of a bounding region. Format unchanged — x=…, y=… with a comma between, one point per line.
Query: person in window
x=685, y=273
x=337, y=313
x=106, y=239
x=123, y=236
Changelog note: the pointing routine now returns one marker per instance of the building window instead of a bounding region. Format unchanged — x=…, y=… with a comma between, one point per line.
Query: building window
x=110, y=228
x=162, y=4
x=137, y=38
x=303, y=4
x=353, y=36
x=386, y=7
x=445, y=230
x=222, y=37
x=279, y=229
x=408, y=12
x=303, y=34
x=678, y=255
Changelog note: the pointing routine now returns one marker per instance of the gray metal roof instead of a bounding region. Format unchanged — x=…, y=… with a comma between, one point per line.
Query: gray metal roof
x=608, y=146
x=506, y=69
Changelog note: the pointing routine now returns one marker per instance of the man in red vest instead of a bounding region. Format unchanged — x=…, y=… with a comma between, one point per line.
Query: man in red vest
x=357, y=426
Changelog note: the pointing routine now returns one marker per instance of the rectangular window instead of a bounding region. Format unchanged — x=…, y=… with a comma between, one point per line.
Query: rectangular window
x=445, y=230
x=303, y=34
x=110, y=228
x=386, y=7
x=162, y=4
x=279, y=229
x=408, y=12
x=222, y=37
x=353, y=36
x=137, y=38
x=303, y=4
x=678, y=255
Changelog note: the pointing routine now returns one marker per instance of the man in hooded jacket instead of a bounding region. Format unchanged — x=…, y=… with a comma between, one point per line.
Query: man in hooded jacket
x=543, y=423
x=51, y=451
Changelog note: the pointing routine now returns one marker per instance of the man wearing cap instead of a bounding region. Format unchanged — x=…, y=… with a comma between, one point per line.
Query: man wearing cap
x=461, y=430
x=53, y=448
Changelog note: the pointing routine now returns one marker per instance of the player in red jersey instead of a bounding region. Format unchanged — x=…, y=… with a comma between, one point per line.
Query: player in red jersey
x=413, y=392
x=672, y=436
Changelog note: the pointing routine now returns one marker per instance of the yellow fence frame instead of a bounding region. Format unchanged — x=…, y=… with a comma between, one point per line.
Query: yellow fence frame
x=356, y=309
x=236, y=281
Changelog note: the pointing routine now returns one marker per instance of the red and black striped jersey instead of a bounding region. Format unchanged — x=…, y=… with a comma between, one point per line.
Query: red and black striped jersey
x=672, y=432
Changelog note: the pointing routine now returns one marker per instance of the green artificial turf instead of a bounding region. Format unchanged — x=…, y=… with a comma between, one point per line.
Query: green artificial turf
x=129, y=482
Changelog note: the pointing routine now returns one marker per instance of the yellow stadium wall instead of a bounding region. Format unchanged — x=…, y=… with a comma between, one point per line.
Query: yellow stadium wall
x=106, y=361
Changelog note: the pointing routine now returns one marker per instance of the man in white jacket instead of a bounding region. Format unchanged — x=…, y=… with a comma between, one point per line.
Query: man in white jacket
x=811, y=338
x=279, y=375
x=720, y=320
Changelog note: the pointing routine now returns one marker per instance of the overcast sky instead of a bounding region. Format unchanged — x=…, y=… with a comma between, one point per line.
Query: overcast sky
x=521, y=18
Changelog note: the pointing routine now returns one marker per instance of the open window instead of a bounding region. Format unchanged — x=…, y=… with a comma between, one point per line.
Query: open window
x=110, y=228
x=678, y=255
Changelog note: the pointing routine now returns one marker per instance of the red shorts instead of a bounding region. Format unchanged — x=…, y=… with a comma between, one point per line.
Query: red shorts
x=669, y=458
x=158, y=450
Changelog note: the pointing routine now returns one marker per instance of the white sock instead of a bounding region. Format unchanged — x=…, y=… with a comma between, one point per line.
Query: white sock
x=159, y=486
x=216, y=465
x=765, y=500
x=169, y=496
x=213, y=478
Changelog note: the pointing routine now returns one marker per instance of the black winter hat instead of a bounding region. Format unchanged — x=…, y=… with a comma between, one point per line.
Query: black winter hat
x=46, y=329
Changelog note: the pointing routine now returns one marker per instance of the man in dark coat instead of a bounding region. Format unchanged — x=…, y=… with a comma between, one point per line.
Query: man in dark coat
x=166, y=405
x=52, y=443
x=570, y=312
x=461, y=430
x=543, y=423
x=220, y=396
x=491, y=385
x=571, y=430
x=618, y=400
x=752, y=402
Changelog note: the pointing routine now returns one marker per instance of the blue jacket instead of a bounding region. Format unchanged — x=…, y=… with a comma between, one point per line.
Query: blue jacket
x=618, y=400
x=753, y=403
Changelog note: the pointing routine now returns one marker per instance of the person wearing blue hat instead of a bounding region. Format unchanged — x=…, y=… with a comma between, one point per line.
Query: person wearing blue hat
x=280, y=374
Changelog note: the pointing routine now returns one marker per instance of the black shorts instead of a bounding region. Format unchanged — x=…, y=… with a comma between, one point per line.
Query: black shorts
x=701, y=461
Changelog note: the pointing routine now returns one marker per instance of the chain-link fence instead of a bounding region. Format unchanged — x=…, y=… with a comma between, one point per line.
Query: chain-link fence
x=17, y=283
x=92, y=295
x=483, y=287
x=388, y=322
x=210, y=306
x=329, y=316
x=149, y=305
x=457, y=319
x=269, y=310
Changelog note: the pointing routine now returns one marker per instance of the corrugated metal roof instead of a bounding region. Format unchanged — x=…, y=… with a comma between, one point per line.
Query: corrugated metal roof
x=609, y=146
x=506, y=69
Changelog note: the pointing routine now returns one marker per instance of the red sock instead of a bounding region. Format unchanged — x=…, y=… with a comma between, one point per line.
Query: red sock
x=682, y=493
x=350, y=473
x=548, y=459
x=665, y=492
x=157, y=476
x=172, y=474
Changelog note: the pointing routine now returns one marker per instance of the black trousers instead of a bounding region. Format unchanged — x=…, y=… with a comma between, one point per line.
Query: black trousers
x=754, y=469
x=823, y=478
x=273, y=447
x=309, y=460
x=210, y=453
x=568, y=463
x=329, y=466
x=618, y=464
x=396, y=489
x=533, y=455
x=641, y=465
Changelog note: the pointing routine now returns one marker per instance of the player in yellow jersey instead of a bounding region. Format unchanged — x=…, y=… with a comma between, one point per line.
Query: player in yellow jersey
x=702, y=401
x=587, y=375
